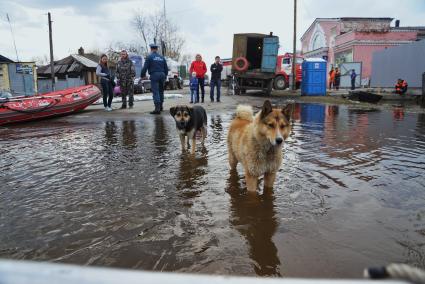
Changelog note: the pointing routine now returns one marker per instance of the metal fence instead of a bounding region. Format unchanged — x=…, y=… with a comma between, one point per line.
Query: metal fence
x=406, y=62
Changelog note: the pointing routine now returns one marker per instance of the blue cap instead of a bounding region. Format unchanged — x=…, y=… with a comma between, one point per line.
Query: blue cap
x=153, y=45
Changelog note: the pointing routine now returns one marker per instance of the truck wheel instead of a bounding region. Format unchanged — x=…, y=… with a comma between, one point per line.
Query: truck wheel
x=279, y=83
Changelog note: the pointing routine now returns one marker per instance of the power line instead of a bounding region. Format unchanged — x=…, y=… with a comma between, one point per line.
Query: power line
x=13, y=37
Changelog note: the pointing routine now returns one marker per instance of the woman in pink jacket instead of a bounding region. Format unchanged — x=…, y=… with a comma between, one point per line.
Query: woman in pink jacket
x=200, y=68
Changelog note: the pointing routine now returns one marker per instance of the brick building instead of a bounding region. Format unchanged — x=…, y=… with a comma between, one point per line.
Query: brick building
x=340, y=40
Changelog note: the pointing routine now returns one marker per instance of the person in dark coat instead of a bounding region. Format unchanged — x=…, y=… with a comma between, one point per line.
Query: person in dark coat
x=126, y=73
x=337, y=78
x=353, y=76
x=215, y=69
x=104, y=73
x=158, y=70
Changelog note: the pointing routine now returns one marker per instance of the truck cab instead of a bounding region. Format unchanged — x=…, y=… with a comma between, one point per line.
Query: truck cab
x=284, y=70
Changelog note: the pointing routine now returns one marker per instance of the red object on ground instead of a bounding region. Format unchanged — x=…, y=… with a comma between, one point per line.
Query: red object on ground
x=19, y=109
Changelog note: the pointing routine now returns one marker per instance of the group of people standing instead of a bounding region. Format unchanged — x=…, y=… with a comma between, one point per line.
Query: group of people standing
x=198, y=69
x=157, y=67
x=125, y=73
x=335, y=78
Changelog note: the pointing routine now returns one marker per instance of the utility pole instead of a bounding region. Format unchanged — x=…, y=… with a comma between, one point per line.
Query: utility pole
x=164, y=39
x=294, y=54
x=52, y=63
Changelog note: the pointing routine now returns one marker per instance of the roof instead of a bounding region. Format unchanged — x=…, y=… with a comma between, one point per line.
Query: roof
x=85, y=61
x=72, y=63
x=5, y=59
x=373, y=19
x=346, y=19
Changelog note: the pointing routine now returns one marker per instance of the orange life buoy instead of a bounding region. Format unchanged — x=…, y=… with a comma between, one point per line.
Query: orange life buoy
x=241, y=64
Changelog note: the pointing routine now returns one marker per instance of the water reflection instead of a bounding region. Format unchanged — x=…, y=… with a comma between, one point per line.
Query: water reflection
x=254, y=216
x=192, y=170
x=160, y=135
x=217, y=128
x=398, y=113
x=111, y=133
x=129, y=135
x=353, y=194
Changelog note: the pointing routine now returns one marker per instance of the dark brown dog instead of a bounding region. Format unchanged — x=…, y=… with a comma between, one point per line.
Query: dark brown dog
x=188, y=121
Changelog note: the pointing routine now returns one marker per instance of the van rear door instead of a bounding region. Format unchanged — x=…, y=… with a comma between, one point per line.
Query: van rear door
x=270, y=50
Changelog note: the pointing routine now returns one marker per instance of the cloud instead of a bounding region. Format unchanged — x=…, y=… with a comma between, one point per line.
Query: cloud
x=208, y=26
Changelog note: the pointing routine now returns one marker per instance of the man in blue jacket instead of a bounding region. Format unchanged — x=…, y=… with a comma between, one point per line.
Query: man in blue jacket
x=157, y=67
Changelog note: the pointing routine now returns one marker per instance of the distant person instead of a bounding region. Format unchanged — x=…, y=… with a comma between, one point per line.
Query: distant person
x=126, y=73
x=331, y=78
x=200, y=68
x=401, y=87
x=353, y=79
x=158, y=70
x=337, y=80
x=194, y=96
x=104, y=73
x=215, y=69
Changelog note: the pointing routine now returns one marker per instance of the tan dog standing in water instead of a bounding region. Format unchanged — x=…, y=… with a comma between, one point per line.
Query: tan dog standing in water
x=256, y=142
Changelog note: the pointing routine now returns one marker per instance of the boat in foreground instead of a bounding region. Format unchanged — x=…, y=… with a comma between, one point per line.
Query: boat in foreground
x=20, y=109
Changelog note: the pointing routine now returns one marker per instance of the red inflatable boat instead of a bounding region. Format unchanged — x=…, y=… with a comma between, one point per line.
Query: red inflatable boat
x=19, y=109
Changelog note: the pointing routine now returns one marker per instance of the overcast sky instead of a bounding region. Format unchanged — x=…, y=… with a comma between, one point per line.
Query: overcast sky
x=208, y=26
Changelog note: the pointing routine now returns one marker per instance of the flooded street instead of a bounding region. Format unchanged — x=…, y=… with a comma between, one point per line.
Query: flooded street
x=350, y=194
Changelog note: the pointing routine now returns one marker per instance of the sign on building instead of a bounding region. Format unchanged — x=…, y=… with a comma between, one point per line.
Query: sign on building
x=23, y=68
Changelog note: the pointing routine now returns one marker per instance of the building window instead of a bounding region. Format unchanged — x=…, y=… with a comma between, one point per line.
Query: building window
x=345, y=56
x=318, y=41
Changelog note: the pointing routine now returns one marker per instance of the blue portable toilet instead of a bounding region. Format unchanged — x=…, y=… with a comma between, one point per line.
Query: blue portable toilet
x=314, y=77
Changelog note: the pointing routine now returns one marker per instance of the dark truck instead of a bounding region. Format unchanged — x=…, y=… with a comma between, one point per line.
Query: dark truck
x=254, y=62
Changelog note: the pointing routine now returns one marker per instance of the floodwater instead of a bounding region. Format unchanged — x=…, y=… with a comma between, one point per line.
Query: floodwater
x=350, y=194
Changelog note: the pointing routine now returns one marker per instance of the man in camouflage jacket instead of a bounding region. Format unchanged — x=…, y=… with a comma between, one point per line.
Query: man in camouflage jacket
x=125, y=75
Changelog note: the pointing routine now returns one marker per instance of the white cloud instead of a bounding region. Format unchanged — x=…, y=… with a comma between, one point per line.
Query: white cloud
x=208, y=26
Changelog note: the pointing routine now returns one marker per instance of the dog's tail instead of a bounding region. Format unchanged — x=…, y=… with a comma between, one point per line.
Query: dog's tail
x=245, y=112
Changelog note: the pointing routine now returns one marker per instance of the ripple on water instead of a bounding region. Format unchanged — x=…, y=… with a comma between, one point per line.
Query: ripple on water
x=121, y=193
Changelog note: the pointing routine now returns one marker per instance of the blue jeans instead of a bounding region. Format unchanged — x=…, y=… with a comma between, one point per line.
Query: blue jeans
x=194, y=98
x=157, y=86
x=215, y=83
x=107, y=92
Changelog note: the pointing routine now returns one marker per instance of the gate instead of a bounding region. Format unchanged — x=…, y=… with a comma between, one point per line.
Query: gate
x=345, y=69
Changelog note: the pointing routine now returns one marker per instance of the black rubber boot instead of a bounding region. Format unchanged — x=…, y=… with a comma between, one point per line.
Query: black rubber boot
x=124, y=101
x=156, y=110
x=161, y=107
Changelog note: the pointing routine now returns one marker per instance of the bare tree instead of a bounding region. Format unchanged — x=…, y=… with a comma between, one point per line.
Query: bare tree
x=113, y=51
x=155, y=28
x=186, y=59
x=41, y=60
x=140, y=24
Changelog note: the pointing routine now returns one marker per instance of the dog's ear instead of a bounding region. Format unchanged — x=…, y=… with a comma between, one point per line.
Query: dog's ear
x=190, y=111
x=287, y=111
x=173, y=111
x=267, y=108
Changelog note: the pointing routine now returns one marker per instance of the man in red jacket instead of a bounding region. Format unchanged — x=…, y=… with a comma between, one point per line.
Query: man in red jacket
x=198, y=66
